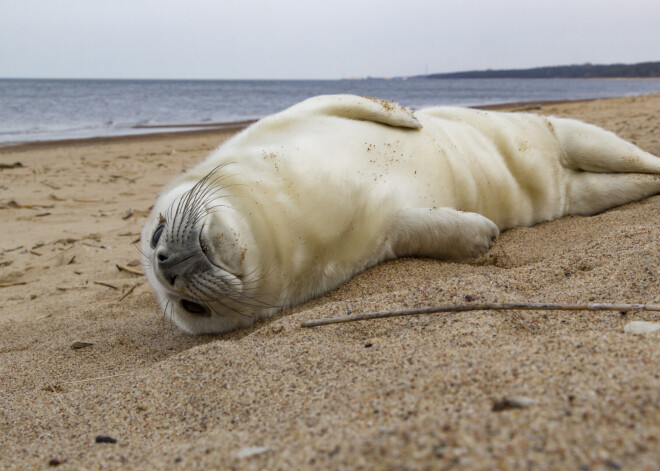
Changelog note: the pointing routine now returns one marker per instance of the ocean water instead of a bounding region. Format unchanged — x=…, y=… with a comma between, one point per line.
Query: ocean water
x=41, y=110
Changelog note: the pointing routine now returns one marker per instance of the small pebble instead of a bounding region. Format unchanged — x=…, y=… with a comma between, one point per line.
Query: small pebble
x=641, y=327
x=105, y=439
x=368, y=343
x=54, y=462
x=509, y=403
x=249, y=451
x=75, y=345
x=277, y=329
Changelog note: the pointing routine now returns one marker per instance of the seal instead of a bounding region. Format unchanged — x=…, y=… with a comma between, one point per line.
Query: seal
x=302, y=200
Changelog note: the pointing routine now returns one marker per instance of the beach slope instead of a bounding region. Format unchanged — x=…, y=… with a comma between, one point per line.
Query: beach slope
x=477, y=390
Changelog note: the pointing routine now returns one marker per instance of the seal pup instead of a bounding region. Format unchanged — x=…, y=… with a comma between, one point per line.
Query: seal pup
x=302, y=200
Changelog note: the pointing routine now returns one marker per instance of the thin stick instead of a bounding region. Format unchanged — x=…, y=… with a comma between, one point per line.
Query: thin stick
x=58, y=254
x=59, y=398
x=129, y=270
x=107, y=285
x=484, y=307
x=80, y=200
x=127, y=293
x=15, y=283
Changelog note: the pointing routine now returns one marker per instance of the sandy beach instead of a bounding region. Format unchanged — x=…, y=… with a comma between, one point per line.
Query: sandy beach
x=421, y=392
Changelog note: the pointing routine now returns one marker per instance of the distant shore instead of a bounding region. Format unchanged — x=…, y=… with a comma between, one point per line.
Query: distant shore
x=641, y=70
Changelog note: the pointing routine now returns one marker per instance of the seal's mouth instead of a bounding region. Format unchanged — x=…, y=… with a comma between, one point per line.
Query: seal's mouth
x=192, y=307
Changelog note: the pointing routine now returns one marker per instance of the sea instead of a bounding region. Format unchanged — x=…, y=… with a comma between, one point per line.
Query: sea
x=46, y=110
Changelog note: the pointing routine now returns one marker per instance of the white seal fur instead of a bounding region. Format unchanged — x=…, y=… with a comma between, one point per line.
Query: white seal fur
x=303, y=200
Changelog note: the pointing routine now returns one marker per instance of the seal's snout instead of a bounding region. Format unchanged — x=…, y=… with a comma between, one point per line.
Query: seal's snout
x=173, y=264
x=166, y=267
x=163, y=258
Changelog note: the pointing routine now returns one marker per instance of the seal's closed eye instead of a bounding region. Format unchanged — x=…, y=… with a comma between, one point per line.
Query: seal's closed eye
x=156, y=237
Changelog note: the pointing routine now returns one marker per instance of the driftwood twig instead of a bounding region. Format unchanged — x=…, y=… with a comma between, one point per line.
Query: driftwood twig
x=129, y=270
x=58, y=254
x=107, y=285
x=484, y=307
x=128, y=292
x=12, y=283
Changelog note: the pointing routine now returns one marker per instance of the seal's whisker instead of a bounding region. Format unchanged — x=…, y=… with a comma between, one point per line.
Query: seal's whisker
x=170, y=316
x=146, y=260
x=200, y=295
x=164, y=308
x=209, y=288
x=194, y=205
x=251, y=282
x=244, y=284
x=163, y=304
x=137, y=247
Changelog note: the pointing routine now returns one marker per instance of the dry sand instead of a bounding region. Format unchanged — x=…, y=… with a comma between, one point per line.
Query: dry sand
x=406, y=393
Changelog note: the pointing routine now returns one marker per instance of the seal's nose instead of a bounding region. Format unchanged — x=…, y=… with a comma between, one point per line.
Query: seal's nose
x=177, y=265
x=165, y=266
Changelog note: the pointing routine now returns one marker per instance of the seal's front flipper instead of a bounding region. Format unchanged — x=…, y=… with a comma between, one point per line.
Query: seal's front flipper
x=439, y=233
x=360, y=108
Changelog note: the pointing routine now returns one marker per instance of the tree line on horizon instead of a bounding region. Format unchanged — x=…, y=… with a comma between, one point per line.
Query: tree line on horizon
x=640, y=70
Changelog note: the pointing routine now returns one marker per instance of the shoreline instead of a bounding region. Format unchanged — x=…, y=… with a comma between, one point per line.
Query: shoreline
x=194, y=130
x=191, y=129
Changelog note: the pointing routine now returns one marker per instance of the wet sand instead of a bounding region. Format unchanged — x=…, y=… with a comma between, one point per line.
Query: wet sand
x=406, y=393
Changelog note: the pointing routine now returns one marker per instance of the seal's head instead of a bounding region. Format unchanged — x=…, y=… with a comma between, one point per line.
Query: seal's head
x=196, y=257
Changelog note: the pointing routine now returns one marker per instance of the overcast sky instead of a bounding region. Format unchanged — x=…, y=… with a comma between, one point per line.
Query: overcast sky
x=309, y=39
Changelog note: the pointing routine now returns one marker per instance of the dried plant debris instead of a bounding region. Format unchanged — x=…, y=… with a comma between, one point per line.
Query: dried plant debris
x=78, y=344
x=508, y=403
x=10, y=166
x=129, y=270
x=105, y=439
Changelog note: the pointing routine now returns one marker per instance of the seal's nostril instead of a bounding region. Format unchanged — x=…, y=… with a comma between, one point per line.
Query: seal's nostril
x=171, y=279
x=162, y=257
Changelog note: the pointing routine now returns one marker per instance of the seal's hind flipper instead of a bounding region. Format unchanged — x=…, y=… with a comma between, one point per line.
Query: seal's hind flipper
x=360, y=108
x=590, y=193
x=592, y=149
